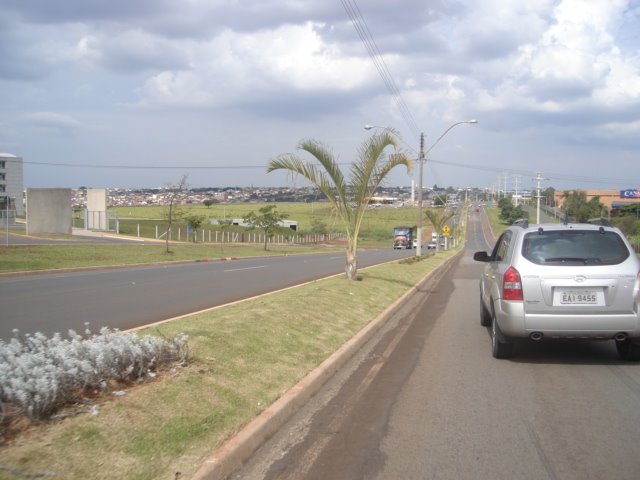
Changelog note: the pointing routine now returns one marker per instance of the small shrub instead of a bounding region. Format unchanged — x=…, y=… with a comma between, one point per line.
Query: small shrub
x=39, y=374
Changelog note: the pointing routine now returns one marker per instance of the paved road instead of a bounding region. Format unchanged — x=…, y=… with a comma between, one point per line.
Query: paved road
x=129, y=297
x=426, y=400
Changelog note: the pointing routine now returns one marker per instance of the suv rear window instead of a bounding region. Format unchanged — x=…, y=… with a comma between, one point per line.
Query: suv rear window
x=574, y=247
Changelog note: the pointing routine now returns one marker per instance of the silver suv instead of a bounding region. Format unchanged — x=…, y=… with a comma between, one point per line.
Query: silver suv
x=561, y=281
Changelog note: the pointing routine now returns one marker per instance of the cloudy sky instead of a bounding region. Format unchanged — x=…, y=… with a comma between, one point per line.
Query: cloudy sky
x=121, y=93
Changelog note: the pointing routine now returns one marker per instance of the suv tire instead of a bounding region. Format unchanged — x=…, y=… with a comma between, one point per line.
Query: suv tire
x=501, y=347
x=628, y=349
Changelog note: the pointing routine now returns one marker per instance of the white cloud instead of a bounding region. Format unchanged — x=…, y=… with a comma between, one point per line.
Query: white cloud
x=237, y=67
x=51, y=122
x=552, y=73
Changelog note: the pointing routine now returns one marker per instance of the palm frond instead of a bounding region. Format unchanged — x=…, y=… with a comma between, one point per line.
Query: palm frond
x=325, y=157
x=370, y=169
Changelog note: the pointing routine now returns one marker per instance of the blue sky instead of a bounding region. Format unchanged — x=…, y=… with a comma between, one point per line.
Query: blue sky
x=214, y=89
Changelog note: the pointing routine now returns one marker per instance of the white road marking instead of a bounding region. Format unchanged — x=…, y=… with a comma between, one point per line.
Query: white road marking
x=246, y=268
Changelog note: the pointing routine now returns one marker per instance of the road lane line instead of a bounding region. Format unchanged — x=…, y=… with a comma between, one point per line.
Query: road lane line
x=246, y=268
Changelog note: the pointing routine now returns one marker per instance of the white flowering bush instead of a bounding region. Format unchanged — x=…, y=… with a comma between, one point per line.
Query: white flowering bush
x=38, y=374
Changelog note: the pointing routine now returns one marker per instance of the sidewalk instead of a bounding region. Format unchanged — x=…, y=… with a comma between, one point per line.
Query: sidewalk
x=81, y=232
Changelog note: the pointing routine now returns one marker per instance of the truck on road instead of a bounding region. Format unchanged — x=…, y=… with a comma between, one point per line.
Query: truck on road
x=402, y=237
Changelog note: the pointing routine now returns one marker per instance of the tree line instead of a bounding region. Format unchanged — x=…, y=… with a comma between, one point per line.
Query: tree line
x=577, y=208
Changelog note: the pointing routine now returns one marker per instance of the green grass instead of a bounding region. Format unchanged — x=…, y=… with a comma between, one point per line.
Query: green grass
x=497, y=225
x=42, y=257
x=377, y=231
x=245, y=356
x=378, y=223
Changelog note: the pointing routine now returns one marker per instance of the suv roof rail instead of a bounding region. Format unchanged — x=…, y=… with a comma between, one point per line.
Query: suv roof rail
x=521, y=222
x=599, y=221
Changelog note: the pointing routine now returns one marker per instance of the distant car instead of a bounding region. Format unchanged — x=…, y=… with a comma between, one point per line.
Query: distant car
x=431, y=245
x=561, y=281
x=415, y=243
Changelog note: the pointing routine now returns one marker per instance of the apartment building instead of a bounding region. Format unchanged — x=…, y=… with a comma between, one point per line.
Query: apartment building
x=11, y=184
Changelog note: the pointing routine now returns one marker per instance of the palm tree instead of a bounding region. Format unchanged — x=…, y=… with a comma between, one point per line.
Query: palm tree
x=349, y=199
x=438, y=218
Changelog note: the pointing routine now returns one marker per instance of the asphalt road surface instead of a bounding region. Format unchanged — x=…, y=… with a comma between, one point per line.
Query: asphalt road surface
x=125, y=298
x=426, y=400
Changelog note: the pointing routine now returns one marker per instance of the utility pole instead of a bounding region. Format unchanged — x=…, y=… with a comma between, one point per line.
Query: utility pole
x=538, y=179
x=419, y=222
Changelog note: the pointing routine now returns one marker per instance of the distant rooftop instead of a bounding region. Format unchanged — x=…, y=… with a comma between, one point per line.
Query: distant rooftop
x=8, y=155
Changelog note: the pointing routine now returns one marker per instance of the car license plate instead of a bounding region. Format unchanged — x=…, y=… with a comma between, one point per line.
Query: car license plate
x=577, y=297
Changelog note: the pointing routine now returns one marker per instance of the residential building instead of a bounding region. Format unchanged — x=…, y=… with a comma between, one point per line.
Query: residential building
x=11, y=184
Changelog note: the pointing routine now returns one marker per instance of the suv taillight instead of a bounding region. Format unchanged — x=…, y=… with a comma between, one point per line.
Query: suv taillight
x=511, y=285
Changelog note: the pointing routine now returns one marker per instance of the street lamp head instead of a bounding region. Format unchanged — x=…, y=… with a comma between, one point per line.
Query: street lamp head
x=368, y=127
x=473, y=121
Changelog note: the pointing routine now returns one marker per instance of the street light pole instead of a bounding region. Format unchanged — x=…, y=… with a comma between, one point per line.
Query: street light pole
x=423, y=156
x=421, y=159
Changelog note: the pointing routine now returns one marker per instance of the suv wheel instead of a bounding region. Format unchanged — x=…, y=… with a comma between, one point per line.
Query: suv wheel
x=501, y=347
x=485, y=316
x=628, y=349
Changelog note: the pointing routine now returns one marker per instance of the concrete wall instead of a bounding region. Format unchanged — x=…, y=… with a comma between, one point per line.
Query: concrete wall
x=49, y=211
x=97, y=209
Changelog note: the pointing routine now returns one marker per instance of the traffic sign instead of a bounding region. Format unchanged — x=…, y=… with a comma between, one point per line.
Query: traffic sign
x=446, y=231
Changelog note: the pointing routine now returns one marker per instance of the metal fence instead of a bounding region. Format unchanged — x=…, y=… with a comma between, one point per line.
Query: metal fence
x=102, y=221
x=216, y=236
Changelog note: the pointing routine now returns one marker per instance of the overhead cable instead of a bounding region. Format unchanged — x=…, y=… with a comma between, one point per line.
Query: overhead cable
x=361, y=27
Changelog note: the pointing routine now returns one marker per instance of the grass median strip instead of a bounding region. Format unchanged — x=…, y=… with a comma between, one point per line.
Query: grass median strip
x=43, y=257
x=244, y=357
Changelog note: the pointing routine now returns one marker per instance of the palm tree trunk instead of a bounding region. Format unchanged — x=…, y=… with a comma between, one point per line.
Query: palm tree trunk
x=351, y=268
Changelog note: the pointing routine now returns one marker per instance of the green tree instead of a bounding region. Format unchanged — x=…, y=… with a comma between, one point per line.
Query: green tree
x=318, y=226
x=439, y=201
x=577, y=206
x=628, y=224
x=267, y=220
x=549, y=195
x=509, y=213
x=350, y=198
x=438, y=218
x=195, y=222
x=505, y=203
x=632, y=210
x=208, y=202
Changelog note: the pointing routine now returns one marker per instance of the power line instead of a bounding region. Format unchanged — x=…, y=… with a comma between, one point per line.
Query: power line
x=145, y=167
x=550, y=176
x=151, y=167
x=482, y=167
x=361, y=27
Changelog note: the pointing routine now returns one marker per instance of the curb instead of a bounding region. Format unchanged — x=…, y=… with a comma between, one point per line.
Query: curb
x=235, y=451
